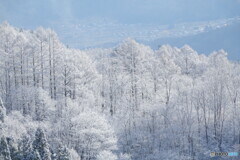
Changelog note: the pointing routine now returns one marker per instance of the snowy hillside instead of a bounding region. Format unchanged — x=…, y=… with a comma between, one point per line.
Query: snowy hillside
x=129, y=102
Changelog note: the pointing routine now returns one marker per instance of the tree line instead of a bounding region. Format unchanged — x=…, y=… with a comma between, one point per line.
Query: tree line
x=126, y=102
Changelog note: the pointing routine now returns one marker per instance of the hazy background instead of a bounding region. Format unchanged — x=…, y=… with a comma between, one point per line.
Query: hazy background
x=206, y=25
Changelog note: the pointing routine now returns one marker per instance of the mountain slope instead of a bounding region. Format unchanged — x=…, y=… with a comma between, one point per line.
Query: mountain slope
x=227, y=38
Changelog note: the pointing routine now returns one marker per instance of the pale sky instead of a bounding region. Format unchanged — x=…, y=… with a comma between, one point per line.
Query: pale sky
x=32, y=13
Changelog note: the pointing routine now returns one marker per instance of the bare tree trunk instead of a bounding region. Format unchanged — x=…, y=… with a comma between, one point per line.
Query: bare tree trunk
x=54, y=73
x=42, y=70
x=34, y=69
x=50, y=68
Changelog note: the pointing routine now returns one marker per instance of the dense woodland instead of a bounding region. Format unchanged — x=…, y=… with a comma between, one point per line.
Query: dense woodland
x=125, y=103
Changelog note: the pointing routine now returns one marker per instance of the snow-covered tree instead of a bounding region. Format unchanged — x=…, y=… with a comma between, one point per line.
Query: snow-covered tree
x=124, y=157
x=103, y=155
x=74, y=155
x=2, y=116
x=91, y=134
x=2, y=111
x=25, y=148
x=169, y=103
x=33, y=155
x=12, y=145
x=63, y=153
x=41, y=145
x=16, y=125
x=4, y=149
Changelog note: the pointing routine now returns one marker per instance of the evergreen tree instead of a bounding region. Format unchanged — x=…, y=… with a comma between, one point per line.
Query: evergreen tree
x=34, y=155
x=25, y=147
x=2, y=116
x=2, y=111
x=26, y=151
x=41, y=145
x=63, y=153
x=12, y=148
x=4, y=150
x=54, y=156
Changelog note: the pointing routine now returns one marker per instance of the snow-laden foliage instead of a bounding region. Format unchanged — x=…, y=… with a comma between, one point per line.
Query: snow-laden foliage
x=41, y=145
x=93, y=134
x=74, y=155
x=106, y=155
x=124, y=103
x=4, y=149
x=63, y=153
x=2, y=111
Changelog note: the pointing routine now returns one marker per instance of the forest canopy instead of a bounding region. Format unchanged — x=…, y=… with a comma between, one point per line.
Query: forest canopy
x=128, y=102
